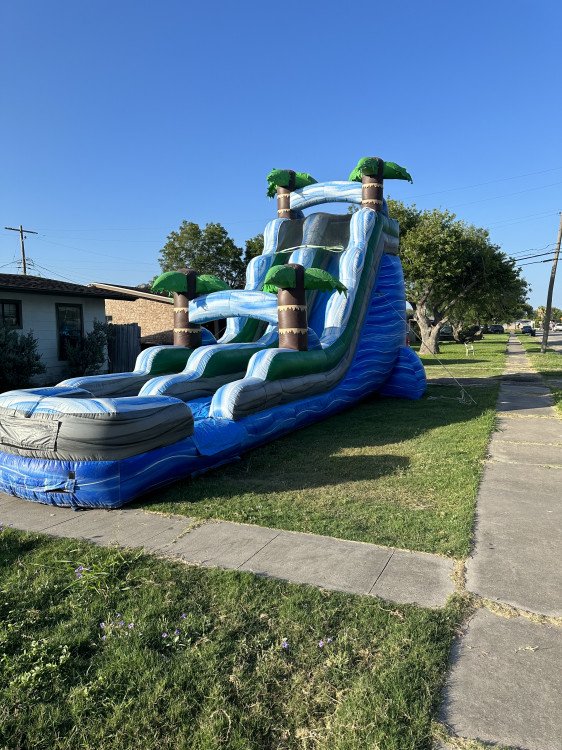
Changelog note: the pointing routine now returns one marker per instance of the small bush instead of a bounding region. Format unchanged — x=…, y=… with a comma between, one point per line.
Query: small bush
x=86, y=356
x=20, y=359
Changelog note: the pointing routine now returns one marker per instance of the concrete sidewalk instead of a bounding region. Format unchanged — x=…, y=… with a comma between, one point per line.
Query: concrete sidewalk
x=354, y=567
x=505, y=683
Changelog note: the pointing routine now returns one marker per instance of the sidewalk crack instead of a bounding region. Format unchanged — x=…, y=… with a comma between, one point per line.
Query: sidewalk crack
x=257, y=551
x=382, y=571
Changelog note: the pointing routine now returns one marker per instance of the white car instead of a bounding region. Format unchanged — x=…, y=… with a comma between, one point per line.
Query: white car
x=557, y=327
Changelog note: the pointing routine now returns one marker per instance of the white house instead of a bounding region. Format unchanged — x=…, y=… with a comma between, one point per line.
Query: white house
x=56, y=312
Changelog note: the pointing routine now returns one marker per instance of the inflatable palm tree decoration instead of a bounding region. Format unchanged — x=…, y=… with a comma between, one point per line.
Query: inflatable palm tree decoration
x=186, y=284
x=371, y=171
x=291, y=282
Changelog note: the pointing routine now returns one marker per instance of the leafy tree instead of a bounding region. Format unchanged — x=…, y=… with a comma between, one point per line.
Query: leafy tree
x=556, y=314
x=500, y=297
x=449, y=266
x=208, y=251
x=254, y=247
x=20, y=359
x=87, y=355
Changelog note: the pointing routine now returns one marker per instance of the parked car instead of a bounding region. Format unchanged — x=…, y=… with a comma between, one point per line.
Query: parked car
x=528, y=329
x=557, y=327
x=446, y=333
x=496, y=329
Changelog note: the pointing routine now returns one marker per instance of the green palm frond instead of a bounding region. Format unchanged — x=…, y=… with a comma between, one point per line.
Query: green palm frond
x=284, y=277
x=279, y=277
x=281, y=178
x=206, y=283
x=369, y=166
x=171, y=281
x=317, y=278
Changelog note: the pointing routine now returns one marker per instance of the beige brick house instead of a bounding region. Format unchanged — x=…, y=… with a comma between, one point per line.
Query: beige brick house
x=156, y=319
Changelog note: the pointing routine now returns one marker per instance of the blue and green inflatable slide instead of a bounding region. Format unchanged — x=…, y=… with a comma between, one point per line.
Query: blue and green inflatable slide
x=101, y=441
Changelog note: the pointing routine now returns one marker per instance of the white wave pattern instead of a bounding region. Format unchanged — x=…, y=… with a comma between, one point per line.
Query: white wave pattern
x=325, y=192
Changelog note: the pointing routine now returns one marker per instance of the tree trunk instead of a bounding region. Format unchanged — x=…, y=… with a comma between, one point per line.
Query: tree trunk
x=185, y=333
x=457, y=328
x=429, y=332
x=291, y=314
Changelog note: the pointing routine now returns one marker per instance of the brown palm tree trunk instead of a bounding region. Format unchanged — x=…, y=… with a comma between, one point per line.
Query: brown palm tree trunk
x=185, y=333
x=291, y=314
x=284, y=198
x=372, y=190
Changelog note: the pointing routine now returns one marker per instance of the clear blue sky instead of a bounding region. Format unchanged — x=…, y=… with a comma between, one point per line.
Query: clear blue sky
x=120, y=119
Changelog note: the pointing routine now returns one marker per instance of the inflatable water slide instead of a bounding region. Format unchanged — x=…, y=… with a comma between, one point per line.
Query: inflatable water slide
x=320, y=325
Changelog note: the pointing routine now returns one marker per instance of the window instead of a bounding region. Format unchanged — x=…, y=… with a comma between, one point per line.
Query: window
x=69, y=326
x=11, y=313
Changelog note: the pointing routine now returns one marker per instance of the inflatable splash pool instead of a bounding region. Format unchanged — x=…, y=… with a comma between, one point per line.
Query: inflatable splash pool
x=320, y=325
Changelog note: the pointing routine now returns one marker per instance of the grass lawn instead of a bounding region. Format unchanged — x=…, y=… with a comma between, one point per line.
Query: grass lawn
x=548, y=364
x=194, y=658
x=488, y=360
x=389, y=471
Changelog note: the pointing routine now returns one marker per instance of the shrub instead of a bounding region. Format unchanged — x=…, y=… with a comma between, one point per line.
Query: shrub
x=20, y=359
x=86, y=356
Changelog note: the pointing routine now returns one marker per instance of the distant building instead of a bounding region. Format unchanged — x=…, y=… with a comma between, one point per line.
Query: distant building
x=56, y=311
x=153, y=313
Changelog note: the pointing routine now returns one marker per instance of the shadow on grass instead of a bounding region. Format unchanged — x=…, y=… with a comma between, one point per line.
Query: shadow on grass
x=470, y=360
x=338, y=450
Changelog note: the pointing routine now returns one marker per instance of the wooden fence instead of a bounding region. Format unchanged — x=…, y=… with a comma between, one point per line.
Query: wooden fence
x=123, y=346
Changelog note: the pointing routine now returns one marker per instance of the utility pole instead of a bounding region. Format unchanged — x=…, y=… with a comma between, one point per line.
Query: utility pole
x=548, y=311
x=21, y=230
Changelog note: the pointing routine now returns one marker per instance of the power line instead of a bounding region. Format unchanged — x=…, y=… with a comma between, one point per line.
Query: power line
x=506, y=195
x=94, y=252
x=536, y=261
x=489, y=182
x=513, y=220
x=538, y=255
x=518, y=253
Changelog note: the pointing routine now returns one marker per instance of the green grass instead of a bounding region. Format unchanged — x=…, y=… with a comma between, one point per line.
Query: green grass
x=392, y=472
x=548, y=364
x=223, y=680
x=389, y=471
x=488, y=360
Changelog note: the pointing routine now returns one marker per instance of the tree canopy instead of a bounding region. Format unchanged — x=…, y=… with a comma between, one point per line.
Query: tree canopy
x=453, y=272
x=208, y=251
x=254, y=247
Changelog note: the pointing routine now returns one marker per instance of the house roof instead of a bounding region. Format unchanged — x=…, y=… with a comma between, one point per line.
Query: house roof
x=11, y=282
x=134, y=292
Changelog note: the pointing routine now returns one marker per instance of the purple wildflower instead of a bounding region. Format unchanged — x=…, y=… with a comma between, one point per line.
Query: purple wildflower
x=104, y=637
x=329, y=640
x=121, y=623
x=183, y=615
x=102, y=625
x=176, y=631
x=320, y=643
x=164, y=635
x=131, y=625
x=285, y=644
